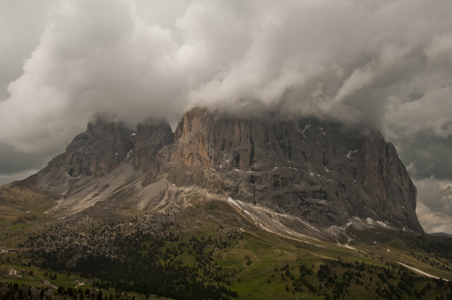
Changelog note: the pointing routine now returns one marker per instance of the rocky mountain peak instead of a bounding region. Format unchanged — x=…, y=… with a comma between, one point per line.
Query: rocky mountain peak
x=192, y=121
x=149, y=139
x=101, y=125
x=100, y=150
x=313, y=169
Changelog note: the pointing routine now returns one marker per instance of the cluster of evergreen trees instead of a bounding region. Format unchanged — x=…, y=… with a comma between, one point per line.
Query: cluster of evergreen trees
x=436, y=245
x=14, y=291
x=335, y=280
x=141, y=262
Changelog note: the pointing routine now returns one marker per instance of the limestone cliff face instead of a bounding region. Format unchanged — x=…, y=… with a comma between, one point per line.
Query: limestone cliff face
x=150, y=138
x=100, y=150
x=315, y=170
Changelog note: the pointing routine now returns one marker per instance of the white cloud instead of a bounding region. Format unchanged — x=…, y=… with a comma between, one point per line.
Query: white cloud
x=21, y=24
x=385, y=63
x=434, y=204
x=433, y=222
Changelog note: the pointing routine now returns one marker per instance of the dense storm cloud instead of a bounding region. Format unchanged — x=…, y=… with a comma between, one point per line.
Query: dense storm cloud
x=384, y=63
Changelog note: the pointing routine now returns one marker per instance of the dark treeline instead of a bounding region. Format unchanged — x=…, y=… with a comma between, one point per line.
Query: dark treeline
x=337, y=279
x=13, y=291
x=437, y=245
x=140, y=261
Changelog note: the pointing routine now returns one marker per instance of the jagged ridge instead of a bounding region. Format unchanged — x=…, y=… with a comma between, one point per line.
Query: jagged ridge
x=315, y=170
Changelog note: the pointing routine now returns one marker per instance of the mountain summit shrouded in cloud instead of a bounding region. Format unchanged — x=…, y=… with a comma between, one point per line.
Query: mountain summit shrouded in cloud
x=384, y=63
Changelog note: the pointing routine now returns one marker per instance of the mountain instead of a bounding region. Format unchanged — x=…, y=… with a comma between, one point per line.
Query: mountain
x=299, y=176
x=441, y=234
x=317, y=171
x=225, y=207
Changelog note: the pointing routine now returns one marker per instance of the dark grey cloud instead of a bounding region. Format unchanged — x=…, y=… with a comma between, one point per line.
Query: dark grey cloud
x=431, y=156
x=15, y=165
x=387, y=64
x=12, y=161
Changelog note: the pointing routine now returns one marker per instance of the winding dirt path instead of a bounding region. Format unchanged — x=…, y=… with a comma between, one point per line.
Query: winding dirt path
x=421, y=272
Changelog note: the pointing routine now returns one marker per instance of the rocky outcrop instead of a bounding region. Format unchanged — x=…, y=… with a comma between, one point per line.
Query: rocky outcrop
x=100, y=150
x=318, y=171
x=150, y=138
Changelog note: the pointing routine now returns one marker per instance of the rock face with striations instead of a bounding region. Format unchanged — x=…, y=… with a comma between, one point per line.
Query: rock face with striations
x=100, y=150
x=318, y=171
x=150, y=138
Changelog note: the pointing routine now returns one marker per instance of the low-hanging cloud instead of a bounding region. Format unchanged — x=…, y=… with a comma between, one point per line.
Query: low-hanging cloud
x=384, y=63
x=325, y=58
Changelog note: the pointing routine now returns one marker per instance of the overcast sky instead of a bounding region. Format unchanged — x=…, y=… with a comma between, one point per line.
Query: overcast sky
x=381, y=62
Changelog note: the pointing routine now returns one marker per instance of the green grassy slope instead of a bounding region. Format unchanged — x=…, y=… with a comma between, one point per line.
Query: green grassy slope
x=209, y=246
